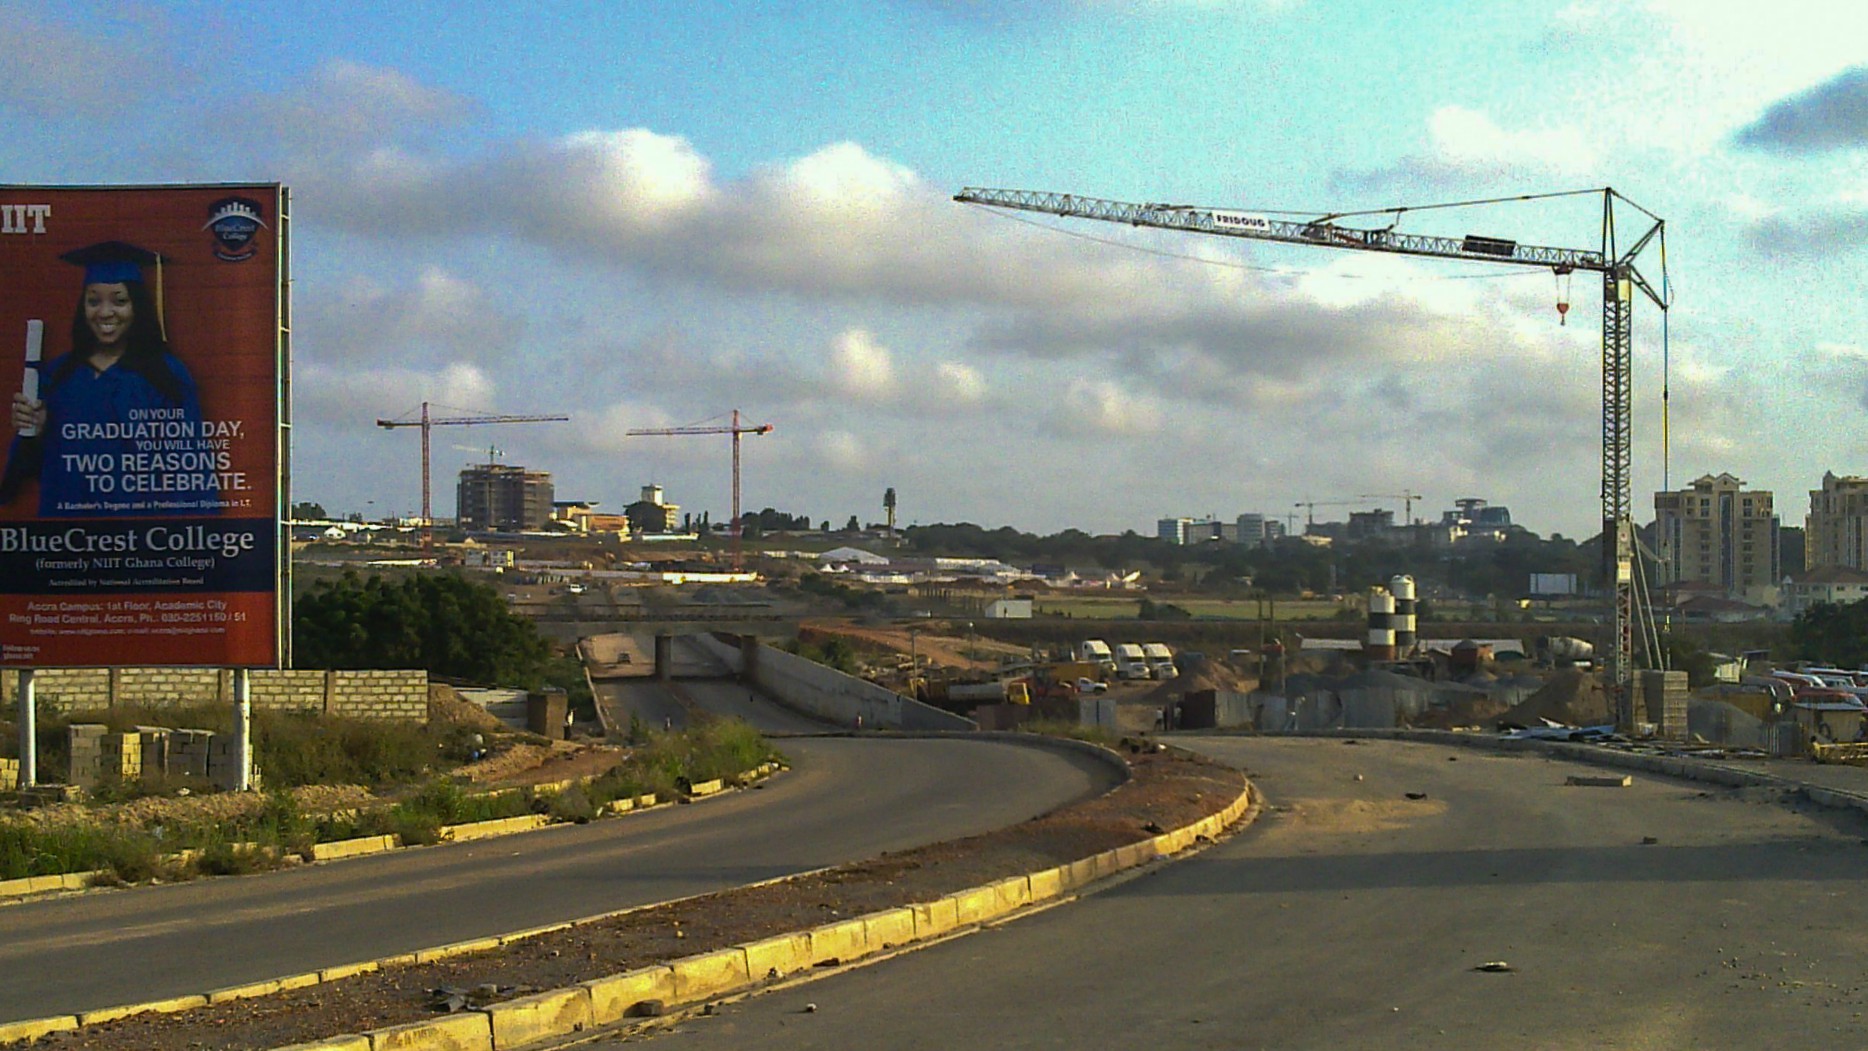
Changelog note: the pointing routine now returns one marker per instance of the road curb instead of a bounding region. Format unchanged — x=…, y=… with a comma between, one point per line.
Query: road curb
x=33, y=1028
x=616, y=999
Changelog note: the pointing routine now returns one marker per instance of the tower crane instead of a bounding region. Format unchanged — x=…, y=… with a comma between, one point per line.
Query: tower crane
x=734, y=429
x=1310, y=508
x=427, y=423
x=1406, y=496
x=1614, y=262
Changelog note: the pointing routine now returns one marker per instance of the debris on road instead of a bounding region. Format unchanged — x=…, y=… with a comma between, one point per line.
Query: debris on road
x=1599, y=780
x=1495, y=967
x=1415, y=795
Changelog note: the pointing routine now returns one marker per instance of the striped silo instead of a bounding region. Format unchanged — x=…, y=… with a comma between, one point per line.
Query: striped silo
x=1402, y=587
x=1381, y=646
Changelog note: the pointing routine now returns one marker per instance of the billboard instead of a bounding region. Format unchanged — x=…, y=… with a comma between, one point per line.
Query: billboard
x=1553, y=585
x=142, y=355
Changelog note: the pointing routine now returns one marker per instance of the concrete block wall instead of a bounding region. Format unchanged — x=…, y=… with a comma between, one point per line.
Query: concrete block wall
x=829, y=694
x=379, y=695
x=398, y=694
x=66, y=689
x=292, y=690
x=159, y=686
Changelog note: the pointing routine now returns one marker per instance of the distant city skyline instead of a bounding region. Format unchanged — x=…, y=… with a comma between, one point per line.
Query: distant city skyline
x=487, y=219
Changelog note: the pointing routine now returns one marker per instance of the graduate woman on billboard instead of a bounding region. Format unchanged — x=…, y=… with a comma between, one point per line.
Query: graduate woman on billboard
x=116, y=425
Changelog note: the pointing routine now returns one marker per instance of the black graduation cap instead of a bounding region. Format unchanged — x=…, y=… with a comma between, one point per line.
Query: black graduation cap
x=112, y=262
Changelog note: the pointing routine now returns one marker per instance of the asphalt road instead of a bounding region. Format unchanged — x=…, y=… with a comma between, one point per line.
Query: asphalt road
x=1351, y=916
x=845, y=799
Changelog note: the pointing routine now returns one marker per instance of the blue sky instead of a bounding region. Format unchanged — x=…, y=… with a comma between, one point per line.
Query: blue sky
x=648, y=214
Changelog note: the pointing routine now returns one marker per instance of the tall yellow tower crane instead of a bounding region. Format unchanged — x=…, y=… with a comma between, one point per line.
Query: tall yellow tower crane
x=427, y=422
x=1619, y=279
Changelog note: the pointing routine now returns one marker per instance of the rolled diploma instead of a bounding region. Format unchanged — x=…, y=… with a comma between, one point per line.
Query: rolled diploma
x=29, y=383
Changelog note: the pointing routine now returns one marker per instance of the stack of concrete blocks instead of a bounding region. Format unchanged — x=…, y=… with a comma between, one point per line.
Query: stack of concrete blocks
x=224, y=766
x=86, y=746
x=98, y=756
x=189, y=751
x=1661, y=699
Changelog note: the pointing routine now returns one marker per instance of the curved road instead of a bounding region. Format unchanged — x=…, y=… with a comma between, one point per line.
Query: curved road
x=845, y=799
x=1351, y=916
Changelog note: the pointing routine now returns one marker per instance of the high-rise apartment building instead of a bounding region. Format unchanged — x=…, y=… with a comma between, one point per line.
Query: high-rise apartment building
x=503, y=498
x=1836, y=531
x=1718, y=532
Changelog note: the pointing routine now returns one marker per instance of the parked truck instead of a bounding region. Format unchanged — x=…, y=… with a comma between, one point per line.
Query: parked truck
x=1160, y=660
x=1096, y=652
x=1131, y=662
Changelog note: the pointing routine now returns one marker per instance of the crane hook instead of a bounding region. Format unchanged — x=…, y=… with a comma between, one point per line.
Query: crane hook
x=1563, y=293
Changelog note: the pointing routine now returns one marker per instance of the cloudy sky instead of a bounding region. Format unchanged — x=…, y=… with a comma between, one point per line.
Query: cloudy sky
x=648, y=214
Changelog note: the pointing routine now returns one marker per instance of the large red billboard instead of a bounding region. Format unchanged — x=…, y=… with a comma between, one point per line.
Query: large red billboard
x=142, y=358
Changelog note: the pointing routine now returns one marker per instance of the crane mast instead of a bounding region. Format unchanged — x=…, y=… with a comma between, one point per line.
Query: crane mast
x=734, y=429
x=427, y=423
x=1619, y=279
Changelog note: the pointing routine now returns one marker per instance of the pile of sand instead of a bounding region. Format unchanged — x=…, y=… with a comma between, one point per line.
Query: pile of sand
x=447, y=708
x=1571, y=697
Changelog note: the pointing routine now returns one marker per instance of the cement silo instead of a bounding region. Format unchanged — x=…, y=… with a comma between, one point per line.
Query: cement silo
x=1381, y=646
x=1403, y=623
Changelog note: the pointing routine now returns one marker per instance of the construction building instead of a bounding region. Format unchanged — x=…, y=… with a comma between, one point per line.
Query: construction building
x=581, y=516
x=1716, y=532
x=1836, y=531
x=1254, y=529
x=1472, y=518
x=506, y=498
x=652, y=515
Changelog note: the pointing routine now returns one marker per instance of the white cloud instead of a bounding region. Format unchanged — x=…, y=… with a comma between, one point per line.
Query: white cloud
x=860, y=367
x=1104, y=407
x=438, y=315
x=348, y=105
x=99, y=70
x=842, y=450
x=959, y=383
x=1468, y=140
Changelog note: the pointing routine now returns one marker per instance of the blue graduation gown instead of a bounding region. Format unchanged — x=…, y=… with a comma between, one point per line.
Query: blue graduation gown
x=115, y=447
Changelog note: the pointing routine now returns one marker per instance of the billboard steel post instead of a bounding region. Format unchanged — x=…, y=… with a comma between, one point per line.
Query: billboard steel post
x=243, y=730
x=28, y=730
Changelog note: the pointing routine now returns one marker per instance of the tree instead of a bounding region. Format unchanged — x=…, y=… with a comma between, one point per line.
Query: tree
x=852, y=526
x=1831, y=633
x=307, y=511
x=443, y=623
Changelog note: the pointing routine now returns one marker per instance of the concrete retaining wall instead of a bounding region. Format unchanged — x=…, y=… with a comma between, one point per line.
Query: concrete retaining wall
x=395, y=694
x=830, y=695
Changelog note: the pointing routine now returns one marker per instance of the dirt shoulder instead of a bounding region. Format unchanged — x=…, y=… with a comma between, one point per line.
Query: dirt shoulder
x=1168, y=790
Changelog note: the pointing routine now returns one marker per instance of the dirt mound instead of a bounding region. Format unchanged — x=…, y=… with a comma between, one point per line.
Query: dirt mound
x=1570, y=697
x=1476, y=709
x=447, y=708
x=1210, y=675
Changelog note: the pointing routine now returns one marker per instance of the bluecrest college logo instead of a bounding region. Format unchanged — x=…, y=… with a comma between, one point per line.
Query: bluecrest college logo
x=234, y=221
